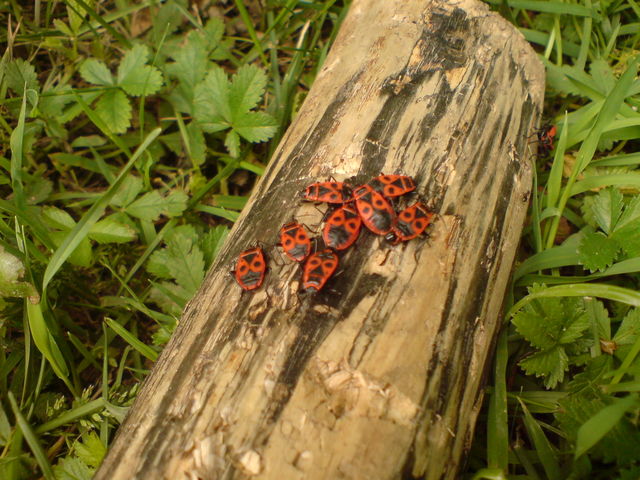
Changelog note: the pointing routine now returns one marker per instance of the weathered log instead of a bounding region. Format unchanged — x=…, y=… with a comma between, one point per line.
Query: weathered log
x=380, y=374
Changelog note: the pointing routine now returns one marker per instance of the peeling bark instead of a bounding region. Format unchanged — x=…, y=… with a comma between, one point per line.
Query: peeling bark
x=380, y=374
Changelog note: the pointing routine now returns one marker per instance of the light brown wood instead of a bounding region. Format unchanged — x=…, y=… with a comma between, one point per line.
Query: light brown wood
x=379, y=375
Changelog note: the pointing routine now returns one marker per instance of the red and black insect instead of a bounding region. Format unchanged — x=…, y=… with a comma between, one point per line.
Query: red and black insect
x=295, y=242
x=327, y=192
x=342, y=227
x=251, y=268
x=546, y=135
x=393, y=185
x=318, y=269
x=376, y=212
x=411, y=222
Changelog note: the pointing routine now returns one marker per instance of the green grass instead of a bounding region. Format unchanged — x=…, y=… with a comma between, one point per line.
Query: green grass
x=133, y=144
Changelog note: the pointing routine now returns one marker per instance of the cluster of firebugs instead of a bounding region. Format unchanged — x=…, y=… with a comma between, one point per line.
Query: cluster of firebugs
x=369, y=204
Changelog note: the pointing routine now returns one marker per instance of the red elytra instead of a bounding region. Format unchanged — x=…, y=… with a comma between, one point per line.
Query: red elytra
x=295, y=242
x=393, y=185
x=327, y=192
x=251, y=268
x=376, y=212
x=318, y=269
x=342, y=228
x=411, y=222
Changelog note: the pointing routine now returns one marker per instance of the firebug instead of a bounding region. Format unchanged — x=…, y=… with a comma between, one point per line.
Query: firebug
x=342, y=227
x=546, y=135
x=328, y=192
x=393, y=185
x=376, y=211
x=295, y=241
x=318, y=269
x=251, y=268
x=411, y=222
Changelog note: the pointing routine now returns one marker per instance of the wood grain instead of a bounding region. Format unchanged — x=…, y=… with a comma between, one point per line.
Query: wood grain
x=379, y=375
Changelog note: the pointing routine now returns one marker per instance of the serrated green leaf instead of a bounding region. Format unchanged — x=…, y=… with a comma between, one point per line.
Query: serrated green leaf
x=20, y=73
x=131, y=63
x=114, y=110
x=255, y=126
x=91, y=450
x=212, y=241
x=53, y=102
x=630, y=214
x=213, y=31
x=128, y=191
x=599, y=317
x=158, y=264
x=57, y=218
x=628, y=237
x=246, y=90
x=550, y=364
x=146, y=80
x=109, y=230
x=197, y=144
x=597, y=251
x=147, y=207
x=175, y=203
x=171, y=298
x=190, y=65
x=574, y=328
x=77, y=12
x=212, y=98
x=96, y=72
x=81, y=255
x=72, y=468
x=151, y=205
x=543, y=323
x=37, y=190
x=607, y=208
x=602, y=75
x=232, y=142
x=62, y=27
x=629, y=329
x=592, y=431
x=135, y=77
x=181, y=259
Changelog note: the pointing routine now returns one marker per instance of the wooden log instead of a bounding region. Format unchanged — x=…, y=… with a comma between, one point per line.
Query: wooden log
x=380, y=374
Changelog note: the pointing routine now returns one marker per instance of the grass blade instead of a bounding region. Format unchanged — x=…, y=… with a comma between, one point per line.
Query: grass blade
x=626, y=363
x=592, y=431
x=32, y=440
x=497, y=421
x=607, y=113
x=248, y=22
x=46, y=343
x=555, y=257
x=555, y=175
x=132, y=340
x=601, y=290
x=543, y=448
x=81, y=230
x=17, y=146
x=72, y=415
